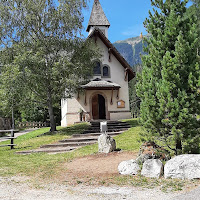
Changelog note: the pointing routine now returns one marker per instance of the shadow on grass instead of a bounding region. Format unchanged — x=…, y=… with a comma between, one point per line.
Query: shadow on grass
x=132, y=122
x=75, y=129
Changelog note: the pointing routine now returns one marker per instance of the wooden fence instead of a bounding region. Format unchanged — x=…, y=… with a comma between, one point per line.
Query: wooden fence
x=32, y=124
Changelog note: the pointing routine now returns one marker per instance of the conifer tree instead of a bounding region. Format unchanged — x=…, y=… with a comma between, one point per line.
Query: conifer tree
x=197, y=13
x=170, y=80
x=133, y=98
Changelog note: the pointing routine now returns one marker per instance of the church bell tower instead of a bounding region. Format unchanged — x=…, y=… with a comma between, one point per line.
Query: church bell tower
x=98, y=19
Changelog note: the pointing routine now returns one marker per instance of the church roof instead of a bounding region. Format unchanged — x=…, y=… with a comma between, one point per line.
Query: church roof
x=101, y=84
x=97, y=17
x=98, y=33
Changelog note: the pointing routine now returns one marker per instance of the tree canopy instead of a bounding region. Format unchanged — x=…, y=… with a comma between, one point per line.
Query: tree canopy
x=41, y=54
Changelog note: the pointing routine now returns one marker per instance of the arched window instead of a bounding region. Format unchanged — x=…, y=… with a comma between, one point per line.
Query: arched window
x=97, y=68
x=106, y=71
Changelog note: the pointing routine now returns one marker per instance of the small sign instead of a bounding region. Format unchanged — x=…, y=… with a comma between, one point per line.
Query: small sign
x=121, y=104
x=103, y=126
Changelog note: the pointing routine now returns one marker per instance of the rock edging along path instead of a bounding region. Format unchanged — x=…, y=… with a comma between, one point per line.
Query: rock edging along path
x=88, y=137
x=186, y=166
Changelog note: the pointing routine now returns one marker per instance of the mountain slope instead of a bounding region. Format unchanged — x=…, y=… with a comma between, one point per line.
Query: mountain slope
x=126, y=50
x=131, y=49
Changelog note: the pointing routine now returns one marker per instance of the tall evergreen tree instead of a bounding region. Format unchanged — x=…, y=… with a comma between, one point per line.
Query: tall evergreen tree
x=134, y=99
x=170, y=80
x=196, y=8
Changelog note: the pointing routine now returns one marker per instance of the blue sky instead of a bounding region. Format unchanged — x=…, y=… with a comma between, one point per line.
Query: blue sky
x=125, y=16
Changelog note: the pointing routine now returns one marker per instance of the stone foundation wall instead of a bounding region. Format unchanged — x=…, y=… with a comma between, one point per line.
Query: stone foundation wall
x=120, y=115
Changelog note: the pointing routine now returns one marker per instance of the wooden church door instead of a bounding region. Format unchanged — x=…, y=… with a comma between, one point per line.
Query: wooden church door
x=98, y=107
x=95, y=107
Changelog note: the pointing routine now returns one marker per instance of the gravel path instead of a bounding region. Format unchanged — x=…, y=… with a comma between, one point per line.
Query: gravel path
x=193, y=195
x=17, y=189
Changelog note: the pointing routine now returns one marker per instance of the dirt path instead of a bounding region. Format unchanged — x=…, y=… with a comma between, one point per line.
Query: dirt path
x=95, y=169
x=100, y=164
x=89, y=170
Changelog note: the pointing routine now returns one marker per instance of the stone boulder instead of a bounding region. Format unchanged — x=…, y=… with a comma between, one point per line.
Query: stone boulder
x=129, y=167
x=184, y=167
x=106, y=143
x=150, y=150
x=152, y=168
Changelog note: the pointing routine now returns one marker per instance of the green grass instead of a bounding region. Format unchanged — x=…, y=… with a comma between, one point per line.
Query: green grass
x=128, y=141
x=165, y=185
x=39, y=164
x=45, y=165
x=50, y=167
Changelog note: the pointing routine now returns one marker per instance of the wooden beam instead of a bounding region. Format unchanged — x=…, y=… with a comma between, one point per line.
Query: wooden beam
x=109, y=53
x=102, y=88
x=111, y=100
x=11, y=138
x=78, y=97
x=117, y=94
x=5, y=131
x=126, y=75
x=85, y=97
x=95, y=38
x=8, y=145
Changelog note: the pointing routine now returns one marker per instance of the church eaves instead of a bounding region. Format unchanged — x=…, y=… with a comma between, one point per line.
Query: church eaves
x=97, y=17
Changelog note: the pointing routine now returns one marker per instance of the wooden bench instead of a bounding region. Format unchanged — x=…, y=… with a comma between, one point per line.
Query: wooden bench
x=8, y=145
x=11, y=138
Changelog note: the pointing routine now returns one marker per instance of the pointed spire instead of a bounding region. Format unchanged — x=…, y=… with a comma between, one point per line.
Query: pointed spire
x=97, y=17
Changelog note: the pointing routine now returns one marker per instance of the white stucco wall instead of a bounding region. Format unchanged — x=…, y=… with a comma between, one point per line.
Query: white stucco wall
x=63, y=112
x=71, y=107
x=117, y=72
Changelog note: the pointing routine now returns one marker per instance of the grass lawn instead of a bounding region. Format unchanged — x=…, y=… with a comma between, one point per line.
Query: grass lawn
x=41, y=163
x=43, y=166
x=46, y=165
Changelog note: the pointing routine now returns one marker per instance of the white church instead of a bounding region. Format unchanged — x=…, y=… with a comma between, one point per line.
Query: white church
x=106, y=96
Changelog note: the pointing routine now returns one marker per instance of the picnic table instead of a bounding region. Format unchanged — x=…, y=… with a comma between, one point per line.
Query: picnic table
x=11, y=137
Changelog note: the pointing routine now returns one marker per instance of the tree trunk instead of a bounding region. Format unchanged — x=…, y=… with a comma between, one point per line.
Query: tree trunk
x=51, y=115
x=178, y=146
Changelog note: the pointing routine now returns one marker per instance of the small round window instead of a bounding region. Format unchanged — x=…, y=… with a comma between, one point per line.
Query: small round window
x=105, y=71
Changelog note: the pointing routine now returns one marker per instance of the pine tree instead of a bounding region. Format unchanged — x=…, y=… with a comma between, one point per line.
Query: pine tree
x=133, y=98
x=196, y=9
x=170, y=80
